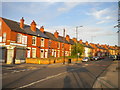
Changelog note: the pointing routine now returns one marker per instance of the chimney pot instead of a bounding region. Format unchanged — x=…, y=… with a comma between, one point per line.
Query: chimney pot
x=42, y=29
x=22, y=23
x=33, y=26
x=56, y=34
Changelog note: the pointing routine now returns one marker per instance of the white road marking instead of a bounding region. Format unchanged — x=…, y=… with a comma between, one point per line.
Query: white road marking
x=49, y=77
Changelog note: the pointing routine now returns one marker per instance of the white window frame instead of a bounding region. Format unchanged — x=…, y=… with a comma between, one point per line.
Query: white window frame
x=42, y=42
x=0, y=25
x=34, y=42
x=4, y=37
x=24, y=39
x=19, y=38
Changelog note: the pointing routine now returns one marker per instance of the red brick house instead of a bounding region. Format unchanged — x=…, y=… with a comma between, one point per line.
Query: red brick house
x=19, y=41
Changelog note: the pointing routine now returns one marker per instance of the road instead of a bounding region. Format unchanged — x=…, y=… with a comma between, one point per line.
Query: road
x=79, y=75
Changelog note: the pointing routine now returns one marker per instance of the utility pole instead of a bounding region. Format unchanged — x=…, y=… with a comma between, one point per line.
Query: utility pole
x=77, y=40
x=64, y=46
x=118, y=26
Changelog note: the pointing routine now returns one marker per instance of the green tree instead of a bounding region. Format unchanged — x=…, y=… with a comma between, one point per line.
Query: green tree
x=77, y=48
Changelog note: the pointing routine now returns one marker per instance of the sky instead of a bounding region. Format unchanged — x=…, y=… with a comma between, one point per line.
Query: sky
x=96, y=18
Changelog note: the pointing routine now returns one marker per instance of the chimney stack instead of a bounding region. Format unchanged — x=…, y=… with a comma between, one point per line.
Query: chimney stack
x=68, y=38
x=22, y=23
x=33, y=26
x=86, y=43
x=56, y=34
x=42, y=29
x=75, y=40
x=80, y=41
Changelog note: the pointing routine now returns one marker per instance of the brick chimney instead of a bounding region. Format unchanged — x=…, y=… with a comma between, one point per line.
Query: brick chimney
x=22, y=23
x=56, y=34
x=74, y=39
x=80, y=41
x=86, y=43
x=33, y=26
x=68, y=38
x=42, y=29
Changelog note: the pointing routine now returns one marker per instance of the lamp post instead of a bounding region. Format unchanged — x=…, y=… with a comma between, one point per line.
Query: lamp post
x=76, y=40
x=64, y=46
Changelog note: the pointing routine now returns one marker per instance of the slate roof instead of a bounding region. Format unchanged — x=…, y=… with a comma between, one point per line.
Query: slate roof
x=52, y=37
x=88, y=46
x=100, y=47
x=15, y=26
x=71, y=42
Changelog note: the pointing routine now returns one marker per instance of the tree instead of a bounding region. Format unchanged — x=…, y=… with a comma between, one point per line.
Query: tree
x=77, y=48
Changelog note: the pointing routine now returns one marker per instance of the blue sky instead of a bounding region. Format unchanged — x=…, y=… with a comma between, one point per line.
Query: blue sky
x=97, y=18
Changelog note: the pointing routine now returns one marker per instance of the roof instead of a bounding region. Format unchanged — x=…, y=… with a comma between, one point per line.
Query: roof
x=15, y=26
x=100, y=47
x=71, y=42
x=52, y=37
x=88, y=46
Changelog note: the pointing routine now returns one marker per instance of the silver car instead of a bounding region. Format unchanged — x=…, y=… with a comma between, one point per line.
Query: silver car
x=85, y=59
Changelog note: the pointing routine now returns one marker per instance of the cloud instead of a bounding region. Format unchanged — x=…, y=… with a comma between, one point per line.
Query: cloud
x=103, y=15
x=67, y=6
x=100, y=22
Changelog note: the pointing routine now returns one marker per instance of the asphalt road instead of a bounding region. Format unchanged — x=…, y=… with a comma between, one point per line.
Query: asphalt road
x=79, y=75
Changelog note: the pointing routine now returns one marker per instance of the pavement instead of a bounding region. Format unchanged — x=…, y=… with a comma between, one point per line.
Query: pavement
x=109, y=78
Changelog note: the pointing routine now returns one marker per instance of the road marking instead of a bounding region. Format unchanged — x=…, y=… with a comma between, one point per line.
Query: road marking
x=49, y=77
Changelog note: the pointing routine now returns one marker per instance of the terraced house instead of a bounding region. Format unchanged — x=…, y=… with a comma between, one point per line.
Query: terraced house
x=19, y=41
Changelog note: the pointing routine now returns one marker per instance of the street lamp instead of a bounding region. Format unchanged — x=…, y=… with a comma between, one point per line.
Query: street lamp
x=76, y=39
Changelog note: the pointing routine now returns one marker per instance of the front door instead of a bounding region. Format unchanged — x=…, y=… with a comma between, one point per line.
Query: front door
x=28, y=54
x=46, y=53
x=10, y=55
x=42, y=54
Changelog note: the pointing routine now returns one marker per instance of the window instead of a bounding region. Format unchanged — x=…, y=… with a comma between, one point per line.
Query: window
x=0, y=25
x=0, y=38
x=42, y=42
x=58, y=45
x=33, y=52
x=24, y=39
x=4, y=37
x=19, y=38
x=34, y=40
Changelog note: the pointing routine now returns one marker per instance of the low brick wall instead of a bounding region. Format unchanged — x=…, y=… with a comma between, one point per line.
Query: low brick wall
x=48, y=61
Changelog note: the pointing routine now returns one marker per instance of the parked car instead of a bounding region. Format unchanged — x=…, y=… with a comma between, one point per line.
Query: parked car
x=96, y=58
x=85, y=59
x=91, y=58
x=101, y=57
x=116, y=57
